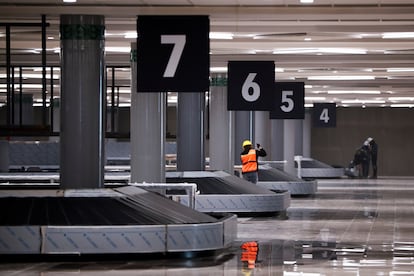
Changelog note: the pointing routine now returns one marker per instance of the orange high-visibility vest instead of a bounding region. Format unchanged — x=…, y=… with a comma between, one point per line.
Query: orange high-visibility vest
x=249, y=161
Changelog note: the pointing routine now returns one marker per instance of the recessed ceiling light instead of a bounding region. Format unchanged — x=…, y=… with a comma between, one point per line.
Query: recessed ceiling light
x=354, y=92
x=306, y=1
x=398, y=35
x=341, y=78
x=130, y=34
x=357, y=101
x=402, y=105
x=395, y=70
x=220, y=35
x=69, y=1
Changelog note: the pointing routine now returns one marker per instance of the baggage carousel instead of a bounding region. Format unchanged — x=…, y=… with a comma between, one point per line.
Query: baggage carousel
x=278, y=180
x=312, y=169
x=123, y=220
x=219, y=191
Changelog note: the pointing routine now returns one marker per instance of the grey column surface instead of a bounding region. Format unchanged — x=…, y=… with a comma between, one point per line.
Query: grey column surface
x=4, y=156
x=56, y=119
x=82, y=101
x=307, y=128
x=147, y=132
x=289, y=146
x=27, y=111
x=298, y=137
x=244, y=128
x=221, y=127
x=262, y=131
x=277, y=134
x=190, y=132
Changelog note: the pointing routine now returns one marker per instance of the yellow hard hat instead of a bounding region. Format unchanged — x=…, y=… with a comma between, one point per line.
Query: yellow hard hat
x=246, y=143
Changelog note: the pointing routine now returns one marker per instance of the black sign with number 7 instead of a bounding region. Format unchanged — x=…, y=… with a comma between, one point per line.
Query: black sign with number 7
x=173, y=53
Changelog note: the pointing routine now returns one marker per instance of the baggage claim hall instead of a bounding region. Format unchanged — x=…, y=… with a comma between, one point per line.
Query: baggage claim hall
x=201, y=137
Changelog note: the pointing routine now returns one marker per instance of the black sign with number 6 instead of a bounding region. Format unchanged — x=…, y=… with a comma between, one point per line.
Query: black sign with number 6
x=173, y=53
x=289, y=101
x=324, y=115
x=250, y=85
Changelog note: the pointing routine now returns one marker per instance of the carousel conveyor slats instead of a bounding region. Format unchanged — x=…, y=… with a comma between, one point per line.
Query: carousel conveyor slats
x=138, y=209
x=151, y=204
x=214, y=185
x=272, y=174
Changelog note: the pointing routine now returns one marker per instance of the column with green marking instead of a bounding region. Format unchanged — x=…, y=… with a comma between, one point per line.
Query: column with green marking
x=82, y=130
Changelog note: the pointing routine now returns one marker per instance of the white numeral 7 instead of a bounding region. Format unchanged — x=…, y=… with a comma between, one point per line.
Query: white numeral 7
x=179, y=43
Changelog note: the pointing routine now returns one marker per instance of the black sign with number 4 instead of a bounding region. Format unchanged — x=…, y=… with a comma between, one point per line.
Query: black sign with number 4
x=324, y=115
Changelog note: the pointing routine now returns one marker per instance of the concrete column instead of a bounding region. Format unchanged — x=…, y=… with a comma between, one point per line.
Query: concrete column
x=289, y=146
x=82, y=101
x=244, y=126
x=307, y=132
x=190, y=132
x=56, y=119
x=23, y=113
x=221, y=127
x=4, y=156
x=298, y=137
x=277, y=140
x=262, y=131
x=147, y=131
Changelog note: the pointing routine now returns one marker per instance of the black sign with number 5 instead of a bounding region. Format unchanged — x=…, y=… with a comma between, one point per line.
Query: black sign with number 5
x=250, y=85
x=289, y=101
x=173, y=53
x=324, y=115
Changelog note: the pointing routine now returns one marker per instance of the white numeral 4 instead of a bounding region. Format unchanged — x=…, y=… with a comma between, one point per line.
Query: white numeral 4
x=324, y=115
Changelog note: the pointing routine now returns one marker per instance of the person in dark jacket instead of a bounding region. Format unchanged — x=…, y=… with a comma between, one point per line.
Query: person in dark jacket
x=361, y=160
x=374, y=156
x=249, y=159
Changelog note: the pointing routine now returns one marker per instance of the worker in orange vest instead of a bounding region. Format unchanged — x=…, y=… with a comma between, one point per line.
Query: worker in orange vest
x=249, y=159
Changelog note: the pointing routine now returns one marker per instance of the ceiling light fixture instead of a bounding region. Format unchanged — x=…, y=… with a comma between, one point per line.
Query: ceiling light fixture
x=357, y=101
x=306, y=1
x=402, y=105
x=315, y=98
x=118, y=49
x=220, y=35
x=354, y=92
x=352, y=51
x=341, y=78
x=398, y=99
x=69, y=1
x=396, y=70
x=396, y=35
x=130, y=34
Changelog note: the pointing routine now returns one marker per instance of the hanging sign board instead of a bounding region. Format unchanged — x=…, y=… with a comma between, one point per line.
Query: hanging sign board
x=173, y=53
x=289, y=101
x=250, y=85
x=324, y=115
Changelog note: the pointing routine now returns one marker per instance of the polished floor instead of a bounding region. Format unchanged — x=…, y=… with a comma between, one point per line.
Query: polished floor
x=350, y=227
